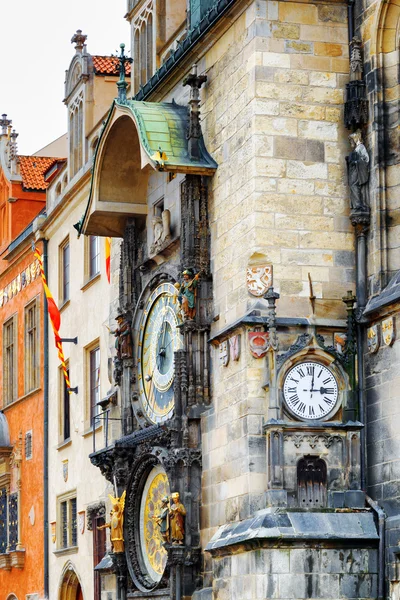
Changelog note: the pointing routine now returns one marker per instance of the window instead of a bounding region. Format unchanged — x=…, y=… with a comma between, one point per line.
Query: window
x=94, y=376
x=3, y=520
x=67, y=518
x=65, y=408
x=9, y=360
x=31, y=347
x=76, y=135
x=64, y=271
x=28, y=445
x=143, y=45
x=94, y=255
x=311, y=482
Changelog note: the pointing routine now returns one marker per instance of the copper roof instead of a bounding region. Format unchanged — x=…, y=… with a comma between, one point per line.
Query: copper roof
x=32, y=169
x=108, y=65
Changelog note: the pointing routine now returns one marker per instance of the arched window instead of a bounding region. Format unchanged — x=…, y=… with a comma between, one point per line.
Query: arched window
x=70, y=588
x=143, y=45
x=311, y=482
x=76, y=135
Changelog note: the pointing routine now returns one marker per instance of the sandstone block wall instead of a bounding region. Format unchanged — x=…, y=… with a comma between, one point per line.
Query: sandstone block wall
x=293, y=573
x=272, y=118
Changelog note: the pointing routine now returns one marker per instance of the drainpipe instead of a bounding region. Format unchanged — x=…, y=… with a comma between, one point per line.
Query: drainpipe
x=350, y=19
x=381, y=550
x=46, y=428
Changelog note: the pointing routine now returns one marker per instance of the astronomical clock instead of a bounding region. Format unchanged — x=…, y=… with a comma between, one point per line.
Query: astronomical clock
x=158, y=338
x=162, y=372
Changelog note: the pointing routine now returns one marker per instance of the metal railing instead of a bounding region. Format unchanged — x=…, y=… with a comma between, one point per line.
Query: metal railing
x=97, y=421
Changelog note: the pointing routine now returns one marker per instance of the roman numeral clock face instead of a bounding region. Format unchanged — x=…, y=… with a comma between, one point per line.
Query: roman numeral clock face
x=310, y=391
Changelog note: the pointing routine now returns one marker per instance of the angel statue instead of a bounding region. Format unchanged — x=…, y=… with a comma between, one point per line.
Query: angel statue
x=116, y=524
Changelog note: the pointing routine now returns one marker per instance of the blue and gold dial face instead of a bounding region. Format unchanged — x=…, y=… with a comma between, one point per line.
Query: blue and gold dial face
x=159, y=338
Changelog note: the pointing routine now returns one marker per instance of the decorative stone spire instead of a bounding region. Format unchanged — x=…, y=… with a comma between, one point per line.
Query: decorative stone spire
x=13, y=151
x=4, y=124
x=356, y=63
x=195, y=81
x=356, y=106
x=79, y=40
x=121, y=84
x=271, y=297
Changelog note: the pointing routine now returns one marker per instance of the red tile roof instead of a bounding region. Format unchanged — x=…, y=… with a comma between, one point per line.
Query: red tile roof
x=107, y=65
x=32, y=169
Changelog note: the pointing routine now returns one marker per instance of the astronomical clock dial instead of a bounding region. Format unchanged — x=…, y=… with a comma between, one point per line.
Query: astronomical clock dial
x=158, y=339
x=310, y=390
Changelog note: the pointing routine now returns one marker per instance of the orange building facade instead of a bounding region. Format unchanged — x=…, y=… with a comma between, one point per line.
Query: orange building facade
x=22, y=373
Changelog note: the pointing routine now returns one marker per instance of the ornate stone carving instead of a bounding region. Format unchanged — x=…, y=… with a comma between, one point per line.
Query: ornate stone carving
x=302, y=341
x=356, y=105
x=161, y=232
x=92, y=511
x=312, y=440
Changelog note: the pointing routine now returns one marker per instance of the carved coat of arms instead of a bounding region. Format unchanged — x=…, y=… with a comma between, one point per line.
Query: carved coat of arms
x=373, y=339
x=234, y=347
x=53, y=531
x=65, y=469
x=259, y=279
x=259, y=343
x=81, y=521
x=224, y=353
x=388, y=331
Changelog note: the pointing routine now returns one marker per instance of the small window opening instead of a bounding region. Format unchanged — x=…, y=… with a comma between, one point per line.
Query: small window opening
x=311, y=481
x=159, y=208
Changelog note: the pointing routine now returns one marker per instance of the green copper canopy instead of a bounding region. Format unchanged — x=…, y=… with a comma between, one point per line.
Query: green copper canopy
x=138, y=137
x=164, y=126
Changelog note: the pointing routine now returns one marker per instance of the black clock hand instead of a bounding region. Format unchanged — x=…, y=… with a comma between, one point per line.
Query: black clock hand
x=312, y=382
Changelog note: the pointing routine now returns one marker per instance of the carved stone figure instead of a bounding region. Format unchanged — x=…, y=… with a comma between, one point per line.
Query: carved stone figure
x=187, y=293
x=358, y=173
x=161, y=231
x=116, y=524
x=163, y=520
x=123, y=334
x=177, y=513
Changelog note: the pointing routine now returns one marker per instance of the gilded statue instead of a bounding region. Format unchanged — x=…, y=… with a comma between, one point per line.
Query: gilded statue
x=162, y=520
x=358, y=173
x=187, y=292
x=116, y=524
x=177, y=513
x=123, y=335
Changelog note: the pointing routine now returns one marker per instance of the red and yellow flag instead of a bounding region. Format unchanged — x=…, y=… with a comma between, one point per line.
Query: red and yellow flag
x=55, y=318
x=108, y=258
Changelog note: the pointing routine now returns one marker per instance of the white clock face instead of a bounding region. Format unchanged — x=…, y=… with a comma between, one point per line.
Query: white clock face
x=310, y=390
